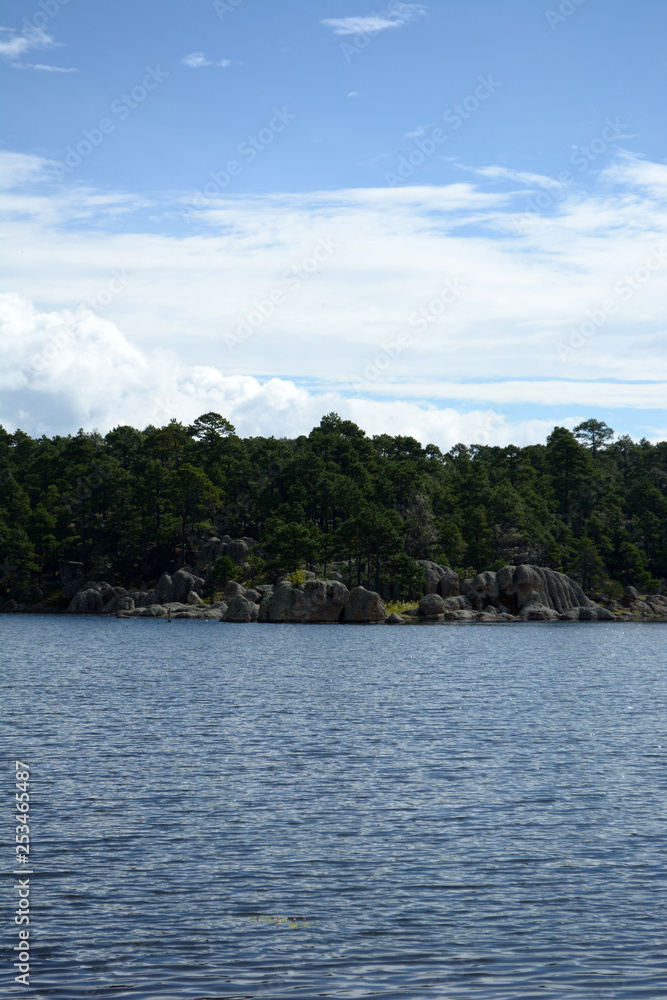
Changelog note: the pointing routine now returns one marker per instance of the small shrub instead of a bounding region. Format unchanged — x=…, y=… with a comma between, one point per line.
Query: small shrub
x=399, y=607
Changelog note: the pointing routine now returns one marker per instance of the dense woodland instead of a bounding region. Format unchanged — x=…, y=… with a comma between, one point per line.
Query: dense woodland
x=132, y=503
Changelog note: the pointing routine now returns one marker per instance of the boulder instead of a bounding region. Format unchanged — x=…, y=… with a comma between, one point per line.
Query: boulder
x=394, y=619
x=121, y=602
x=233, y=589
x=163, y=591
x=173, y=588
x=484, y=589
x=283, y=604
x=253, y=595
x=237, y=550
x=139, y=597
x=240, y=609
x=88, y=601
x=323, y=600
x=85, y=601
x=514, y=587
x=456, y=603
x=194, y=599
x=183, y=582
x=536, y=612
x=431, y=605
x=439, y=579
x=314, y=601
x=365, y=606
x=151, y=611
x=464, y=615
x=630, y=595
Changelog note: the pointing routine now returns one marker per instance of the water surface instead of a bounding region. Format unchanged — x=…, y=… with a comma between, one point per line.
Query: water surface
x=448, y=812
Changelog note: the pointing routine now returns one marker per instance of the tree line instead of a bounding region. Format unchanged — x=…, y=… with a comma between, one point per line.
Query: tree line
x=133, y=503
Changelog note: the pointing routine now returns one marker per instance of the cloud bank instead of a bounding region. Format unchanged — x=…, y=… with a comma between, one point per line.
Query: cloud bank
x=461, y=312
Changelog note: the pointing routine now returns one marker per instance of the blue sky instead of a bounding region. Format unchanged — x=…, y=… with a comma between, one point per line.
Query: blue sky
x=440, y=219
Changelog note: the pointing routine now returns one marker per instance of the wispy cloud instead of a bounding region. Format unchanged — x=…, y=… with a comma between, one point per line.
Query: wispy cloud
x=394, y=16
x=419, y=131
x=195, y=60
x=47, y=69
x=13, y=45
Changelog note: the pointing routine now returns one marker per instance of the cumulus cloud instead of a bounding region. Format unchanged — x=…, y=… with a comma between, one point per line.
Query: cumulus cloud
x=394, y=16
x=75, y=368
x=78, y=365
x=437, y=299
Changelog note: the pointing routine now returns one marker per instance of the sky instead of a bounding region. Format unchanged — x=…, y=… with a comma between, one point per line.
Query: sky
x=439, y=219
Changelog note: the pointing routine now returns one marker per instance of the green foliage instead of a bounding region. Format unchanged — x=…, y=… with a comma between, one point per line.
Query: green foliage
x=224, y=569
x=297, y=577
x=136, y=502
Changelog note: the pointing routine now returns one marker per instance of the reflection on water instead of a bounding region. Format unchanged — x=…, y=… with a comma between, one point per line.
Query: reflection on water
x=284, y=811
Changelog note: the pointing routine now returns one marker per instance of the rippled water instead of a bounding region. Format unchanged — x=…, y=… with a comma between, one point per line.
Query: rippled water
x=449, y=812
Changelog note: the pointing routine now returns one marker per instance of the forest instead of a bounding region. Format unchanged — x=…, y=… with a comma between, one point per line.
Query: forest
x=132, y=503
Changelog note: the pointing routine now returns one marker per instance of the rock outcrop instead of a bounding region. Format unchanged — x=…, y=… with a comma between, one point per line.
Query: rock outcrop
x=233, y=589
x=240, y=609
x=173, y=588
x=530, y=592
x=314, y=601
x=431, y=605
x=87, y=601
x=364, y=607
x=439, y=579
x=93, y=597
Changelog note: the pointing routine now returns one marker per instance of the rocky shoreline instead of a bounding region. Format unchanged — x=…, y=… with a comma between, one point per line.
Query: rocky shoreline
x=512, y=594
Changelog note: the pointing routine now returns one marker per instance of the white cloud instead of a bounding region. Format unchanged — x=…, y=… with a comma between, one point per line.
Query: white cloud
x=74, y=368
x=13, y=45
x=197, y=59
x=353, y=93
x=48, y=69
x=419, y=131
x=249, y=264
x=395, y=15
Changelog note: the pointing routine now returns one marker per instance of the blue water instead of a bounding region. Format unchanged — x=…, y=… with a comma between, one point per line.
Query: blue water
x=449, y=812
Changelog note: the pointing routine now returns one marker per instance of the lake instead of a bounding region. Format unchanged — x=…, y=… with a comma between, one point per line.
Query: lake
x=223, y=810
